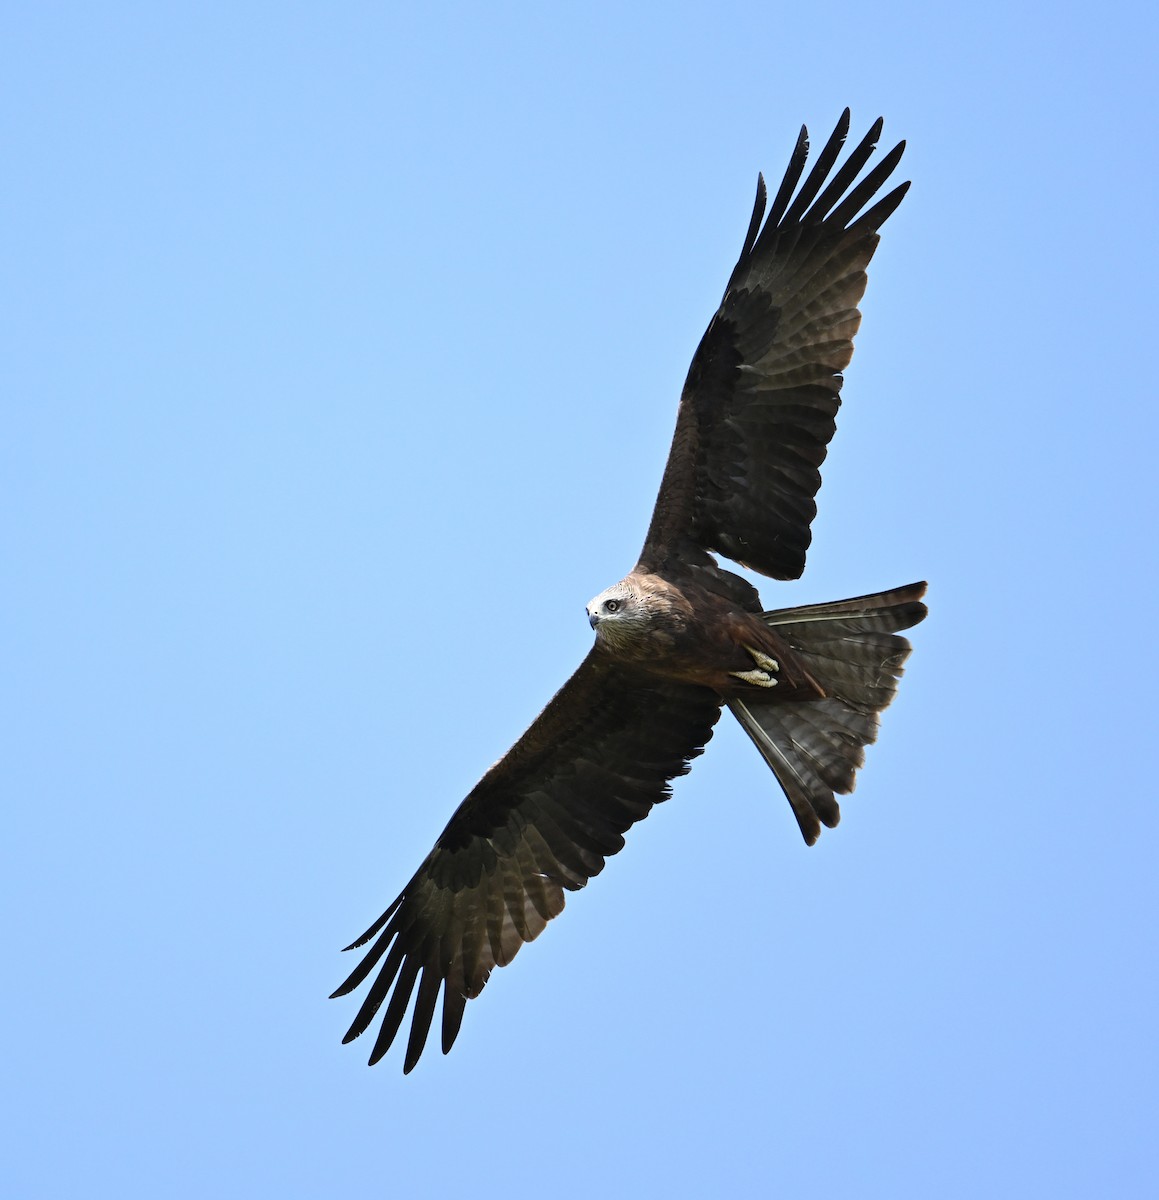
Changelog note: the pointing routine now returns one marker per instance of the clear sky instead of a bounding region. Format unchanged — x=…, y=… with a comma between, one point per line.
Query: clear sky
x=341, y=347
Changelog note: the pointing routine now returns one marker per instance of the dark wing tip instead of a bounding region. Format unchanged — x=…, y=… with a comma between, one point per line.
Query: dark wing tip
x=395, y=1009
x=826, y=196
x=754, y=227
x=758, y=213
x=789, y=180
x=874, y=218
x=454, y=1005
x=821, y=167
x=424, y=1011
x=362, y=939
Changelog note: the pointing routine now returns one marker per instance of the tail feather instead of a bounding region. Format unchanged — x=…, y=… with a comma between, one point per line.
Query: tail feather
x=852, y=650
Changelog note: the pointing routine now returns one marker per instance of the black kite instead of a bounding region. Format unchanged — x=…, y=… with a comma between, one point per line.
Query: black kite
x=680, y=636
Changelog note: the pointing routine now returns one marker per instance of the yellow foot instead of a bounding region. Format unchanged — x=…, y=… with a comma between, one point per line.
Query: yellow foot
x=759, y=678
x=766, y=668
x=764, y=661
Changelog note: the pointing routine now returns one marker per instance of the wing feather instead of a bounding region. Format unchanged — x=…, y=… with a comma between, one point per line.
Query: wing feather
x=428, y=995
x=759, y=406
x=396, y=1007
x=454, y=1005
x=821, y=168
x=541, y=822
x=850, y=168
x=792, y=175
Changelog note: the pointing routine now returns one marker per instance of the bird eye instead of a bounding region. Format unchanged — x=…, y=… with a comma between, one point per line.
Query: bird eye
x=611, y=606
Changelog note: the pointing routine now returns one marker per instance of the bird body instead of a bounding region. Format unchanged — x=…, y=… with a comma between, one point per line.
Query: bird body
x=688, y=633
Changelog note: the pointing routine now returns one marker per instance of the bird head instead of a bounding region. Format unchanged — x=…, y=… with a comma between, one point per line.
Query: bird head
x=617, y=612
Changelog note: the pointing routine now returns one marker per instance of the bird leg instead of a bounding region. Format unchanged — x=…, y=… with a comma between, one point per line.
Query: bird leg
x=762, y=676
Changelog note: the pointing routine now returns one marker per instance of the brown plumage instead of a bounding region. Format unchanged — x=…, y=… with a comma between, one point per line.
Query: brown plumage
x=681, y=636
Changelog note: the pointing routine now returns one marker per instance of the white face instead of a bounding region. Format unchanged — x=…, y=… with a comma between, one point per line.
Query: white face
x=616, y=612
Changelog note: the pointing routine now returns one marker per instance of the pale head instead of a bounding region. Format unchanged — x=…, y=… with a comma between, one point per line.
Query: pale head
x=618, y=613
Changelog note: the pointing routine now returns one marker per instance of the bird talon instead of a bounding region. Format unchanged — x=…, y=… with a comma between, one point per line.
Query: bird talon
x=759, y=678
x=764, y=661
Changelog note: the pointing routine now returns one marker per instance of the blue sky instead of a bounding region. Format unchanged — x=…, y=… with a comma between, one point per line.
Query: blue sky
x=341, y=348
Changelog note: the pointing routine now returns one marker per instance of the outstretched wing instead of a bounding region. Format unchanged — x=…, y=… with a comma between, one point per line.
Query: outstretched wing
x=759, y=405
x=539, y=823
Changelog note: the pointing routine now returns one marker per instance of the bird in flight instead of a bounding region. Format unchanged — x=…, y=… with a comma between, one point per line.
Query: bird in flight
x=680, y=637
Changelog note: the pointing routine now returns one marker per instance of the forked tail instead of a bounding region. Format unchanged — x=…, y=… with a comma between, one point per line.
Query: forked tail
x=852, y=649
